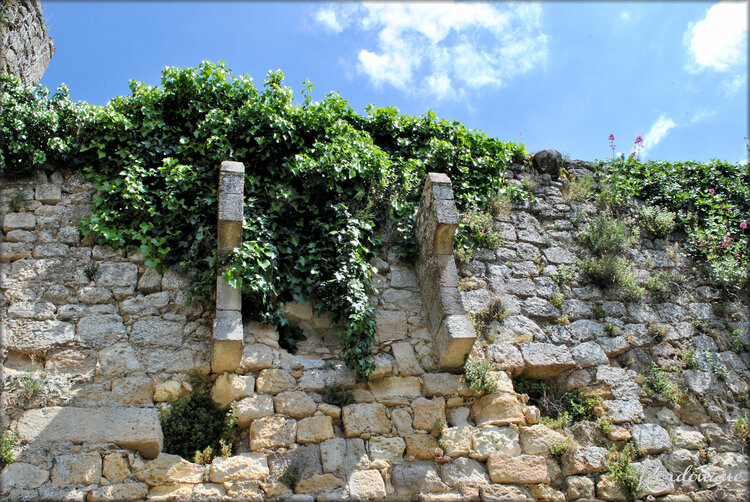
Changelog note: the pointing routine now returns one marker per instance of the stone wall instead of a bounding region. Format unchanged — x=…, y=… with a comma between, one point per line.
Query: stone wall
x=26, y=47
x=113, y=343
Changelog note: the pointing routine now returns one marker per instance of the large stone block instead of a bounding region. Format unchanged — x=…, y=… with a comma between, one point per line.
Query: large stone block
x=488, y=440
x=498, y=409
x=545, y=360
x=366, y=485
x=101, y=330
x=117, y=275
x=36, y=336
x=396, y=390
x=416, y=477
x=245, y=466
x=19, y=221
x=388, y=449
x=391, y=325
x=230, y=387
x=651, y=438
x=168, y=468
x=230, y=207
x=226, y=355
x=454, y=340
x=228, y=325
x=522, y=469
x=365, y=419
x=49, y=194
x=427, y=412
x=585, y=460
x=82, y=468
x=274, y=381
x=445, y=384
x=156, y=332
x=314, y=429
x=227, y=297
x=134, y=428
x=21, y=475
x=272, y=432
x=464, y=472
x=655, y=480
x=256, y=406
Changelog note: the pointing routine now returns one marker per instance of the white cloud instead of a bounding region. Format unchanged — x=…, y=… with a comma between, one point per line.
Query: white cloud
x=625, y=16
x=328, y=18
x=719, y=40
x=701, y=115
x=658, y=130
x=443, y=48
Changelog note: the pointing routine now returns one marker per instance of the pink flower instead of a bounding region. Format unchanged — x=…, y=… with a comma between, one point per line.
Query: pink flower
x=711, y=191
x=638, y=140
x=724, y=244
x=697, y=261
x=632, y=154
x=743, y=224
x=737, y=255
x=596, y=160
x=611, y=137
x=703, y=243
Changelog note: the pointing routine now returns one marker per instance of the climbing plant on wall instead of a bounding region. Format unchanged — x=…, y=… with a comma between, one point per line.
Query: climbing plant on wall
x=325, y=187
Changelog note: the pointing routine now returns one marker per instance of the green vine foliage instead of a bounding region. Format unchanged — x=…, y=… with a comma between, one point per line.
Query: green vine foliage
x=325, y=187
x=711, y=201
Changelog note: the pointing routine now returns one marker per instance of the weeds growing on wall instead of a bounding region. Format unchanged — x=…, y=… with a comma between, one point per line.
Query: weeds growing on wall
x=710, y=202
x=322, y=183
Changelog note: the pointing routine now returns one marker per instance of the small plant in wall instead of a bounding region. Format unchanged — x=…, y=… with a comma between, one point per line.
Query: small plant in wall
x=293, y=472
x=619, y=465
x=7, y=443
x=196, y=427
x=478, y=374
x=560, y=448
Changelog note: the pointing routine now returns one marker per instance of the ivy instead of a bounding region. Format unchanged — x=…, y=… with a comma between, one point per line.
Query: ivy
x=325, y=188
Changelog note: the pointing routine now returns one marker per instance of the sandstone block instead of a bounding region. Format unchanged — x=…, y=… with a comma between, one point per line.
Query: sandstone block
x=245, y=466
x=49, y=194
x=256, y=406
x=83, y=468
x=464, y=472
x=12, y=251
x=506, y=358
x=498, y=409
x=422, y=446
x=366, y=485
x=332, y=453
x=228, y=325
x=119, y=359
x=226, y=355
x=685, y=437
x=150, y=281
x=391, y=325
x=535, y=440
x=227, y=297
x=133, y=428
x=22, y=476
x=318, y=483
x=101, y=330
x=115, y=467
x=365, y=419
x=156, y=332
x=256, y=356
x=456, y=441
x=651, y=438
x=116, y=274
x=488, y=440
x=504, y=493
x=19, y=221
x=585, y=460
x=314, y=429
x=296, y=404
x=171, y=491
x=523, y=469
x=272, y=432
x=406, y=360
x=579, y=487
x=273, y=381
x=545, y=360
x=427, y=411
x=230, y=387
x=389, y=449
x=168, y=468
x=394, y=391
x=120, y=491
x=655, y=480
x=416, y=477
x=589, y=354
x=132, y=391
x=445, y=384
x=454, y=340
x=169, y=391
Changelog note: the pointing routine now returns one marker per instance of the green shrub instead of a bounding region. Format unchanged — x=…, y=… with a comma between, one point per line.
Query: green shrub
x=656, y=381
x=293, y=472
x=619, y=465
x=337, y=396
x=605, y=235
x=7, y=443
x=557, y=299
x=196, y=425
x=599, y=312
x=437, y=427
x=581, y=188
x=659, y=222
x=563, y=275
x=611, y=329
x=494, y=312
x=560, y=448
x=607, y=271
x=478, y=375
x=475, y=231
x=687, y=354
x=33, y=383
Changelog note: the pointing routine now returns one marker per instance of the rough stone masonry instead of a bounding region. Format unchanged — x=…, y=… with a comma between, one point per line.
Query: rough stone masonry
x=113, y=342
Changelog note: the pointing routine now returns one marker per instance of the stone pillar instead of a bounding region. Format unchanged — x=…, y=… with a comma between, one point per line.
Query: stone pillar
x=437, y=220
x=227, y=332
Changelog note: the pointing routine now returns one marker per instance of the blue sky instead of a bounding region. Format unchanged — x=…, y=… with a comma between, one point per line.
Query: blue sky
x=562, y=75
